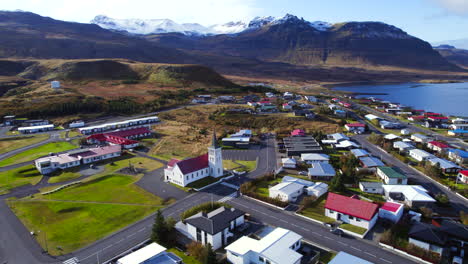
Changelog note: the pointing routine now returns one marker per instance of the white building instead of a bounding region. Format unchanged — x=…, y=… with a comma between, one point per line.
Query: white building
x=445, y=165
x=310, y=158
x=289, y=163
x=35, y=129
x=420, y=155
x=286, y=191
x=127, y=124
x=391, y=211
x=75, y=158
x=215, y=227
x=76, y=124
x=411, y=195
x=184, y=172
x=321, y=170
x=402, y=146
x=278, y=247
x=318, y=189
x=371, y=187
x=405, y=132
x=391, y=176
x=55, y=84
x=358, y=153
x=351, y=211
x=419, y=138
x=152, y=253
x=346, y=144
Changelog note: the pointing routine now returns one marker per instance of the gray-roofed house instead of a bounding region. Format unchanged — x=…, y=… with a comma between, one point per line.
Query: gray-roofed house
x=403, y=146
x=321, y=170
x=371, y=162
x=358, y=153
x=215, y=227
x=371, y=187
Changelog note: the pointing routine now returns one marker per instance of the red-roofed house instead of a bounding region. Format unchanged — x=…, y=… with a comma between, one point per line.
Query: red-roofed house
x=125, y=138
x=462, y=176
x=351, y=211
x=356, y=127
x=184, y=172
x=437, y=146
x=416, y=118
x=432, y=114
x=391, y=211
x=438, y=118
x=298, y=133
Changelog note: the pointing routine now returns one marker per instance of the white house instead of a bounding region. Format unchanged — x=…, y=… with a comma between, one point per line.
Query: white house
x=321, y=170
x=35, y=129
x=346, y=144
x=371, y=187
x=357, y=128
x=286, y=191
x=420, y=155
x=351, y=211
x=55, y=84
x=462, y=176
x=278, y=247
x=391, y=211
x=311, y=98
x=76, y=124
x=370, y=163
x=458, y=155
x=405, y=132
x=402, y=146
x=310, y=158
x=289, y=163
x=214, y=227
x=152, y=253
x=391, y=176
x=358, y=153
x=318, y=189
x=184, y=172
x=445, y=165
x=419, y=138
x=391, y=137
x=411, y=195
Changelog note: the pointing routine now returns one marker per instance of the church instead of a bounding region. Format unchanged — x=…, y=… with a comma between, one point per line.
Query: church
x=184, y=172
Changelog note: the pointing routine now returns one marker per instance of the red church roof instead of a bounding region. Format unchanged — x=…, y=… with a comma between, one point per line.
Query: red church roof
x=193, y=164
x=346, y=205
x=298, y=132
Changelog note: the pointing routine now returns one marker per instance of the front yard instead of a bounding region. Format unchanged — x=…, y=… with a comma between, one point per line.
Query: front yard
x=18, y=177
x=355, y=229
x=317, y=211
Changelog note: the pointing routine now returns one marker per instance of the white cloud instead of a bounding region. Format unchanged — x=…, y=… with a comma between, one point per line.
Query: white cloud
x=457, y=7
x=205, y=12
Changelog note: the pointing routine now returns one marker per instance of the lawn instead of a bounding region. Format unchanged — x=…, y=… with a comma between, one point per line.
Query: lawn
x=19, y=177
x=326, y=257
x=234, y=165
x=202, y=182
x=373, y=196
x=38, y=152
x=69, y=174
x=353, y=228
x=262, y=187
x=138, y=162
x=185, y=259
x=9, y=144
x=77, y=216
x=317, y=211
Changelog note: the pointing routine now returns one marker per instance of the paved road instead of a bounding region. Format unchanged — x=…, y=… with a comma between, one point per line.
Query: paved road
x=457, y=202
x=53, y=137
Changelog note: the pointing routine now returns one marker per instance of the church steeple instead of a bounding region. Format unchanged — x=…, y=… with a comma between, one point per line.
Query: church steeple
x=214, y=141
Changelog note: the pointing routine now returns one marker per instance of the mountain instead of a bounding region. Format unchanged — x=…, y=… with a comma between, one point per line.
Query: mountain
x=454, y=55
x=458, y=43
x=296, y=41
x=24, y=34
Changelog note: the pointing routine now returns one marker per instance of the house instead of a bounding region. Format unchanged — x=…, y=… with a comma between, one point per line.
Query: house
x=289, y=163
x=458, y=155
x=298, y=133
x=321, y=170
x=437, y=146
x=391, y=211
x=122, y=125
x=371, y=187
x=359, y=153
x=288, y=96
x=420, y=155
x=287, y=106
x=76, y=158
x=416, y=118
x=340, y=113
x=226, y=98
x=332, y=106
x=286, y=191
x=411, y=195
x=370, y=162
x=152, y=253
x=297, y=145
x=337, y=137
x=76, y=124
x=462, y=176
x=371, y=117
x=460, y=121
x=37, y=122
x=311, y=98
x=458, y=133
x=357, y=128
x=405, y=132
x=419, y=138
x=318, y=189
x=458, y=127
x=445, y=165
x=35, y=129
x=402, y=146
x=438, y=119
x=351, y=211
x=125, y=138
x=384, y=124
x=391, y=176
x=241, y=139
x=345, y=258
x=346, y=144
x=215, y=227
x=391, y=137
x=184, y=172
x=304, y=112
x=279, y=246
x=305, y=183
x=315, y=157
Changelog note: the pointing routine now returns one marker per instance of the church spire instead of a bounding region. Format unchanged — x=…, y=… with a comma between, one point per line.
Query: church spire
x=214, y=141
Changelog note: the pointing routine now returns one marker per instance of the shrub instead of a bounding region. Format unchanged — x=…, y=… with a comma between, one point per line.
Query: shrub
x=204, y=207
x=442, y=199
x=426, y=212
x=196, y=250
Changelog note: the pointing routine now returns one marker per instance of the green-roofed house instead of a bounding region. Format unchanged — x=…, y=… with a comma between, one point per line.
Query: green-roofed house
x=391, y=176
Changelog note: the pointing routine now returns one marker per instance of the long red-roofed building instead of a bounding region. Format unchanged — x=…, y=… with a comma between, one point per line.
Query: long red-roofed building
x=125, y=138
x=351, y=211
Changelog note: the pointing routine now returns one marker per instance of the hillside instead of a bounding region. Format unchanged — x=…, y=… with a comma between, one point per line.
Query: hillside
x=455, y=56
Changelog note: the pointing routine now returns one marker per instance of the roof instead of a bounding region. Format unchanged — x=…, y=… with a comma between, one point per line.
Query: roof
x=444, y=164
x=464, y=172
x=391, y=173
x=193, y=164
x=371, y=117
x=391, y=207
x=438, y=144
x=391, y=136
x=354, y=207
x=297, y=180
x=345, y=258
x=339, y=136
x=459, y=152
x=369, y=162
x=215, y=221
x=35, y=127
x=126, y=122
x=274, y=246
x=76, y=155
x=318, y=186
x=455, y=229
x=421, y=153
x=172, y=162
x=459, y=131
x=420, y=136
x=359, y=152
x=130, y=132
x=298, y=132
x=411, y=192
x=346, y=144
x=371, y=184
x=288, y=161
x=143, y=254
x=428, y=233
x=287, y=187
x=438, y=117
x=355, y=125
x=315, y=156
x=402, y=145
x=321, y=169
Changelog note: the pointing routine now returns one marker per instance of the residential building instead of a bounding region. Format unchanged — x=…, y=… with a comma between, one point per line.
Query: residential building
x=460, y=121
x=152, y=253
x=278, y=247
x=462, y=176
x=391, y=176
x=420, y=155
x=321, y=170
x=289, y=163
x=337, y=137
x=390, y=125
x=411, y=195
x=35, y=129
x=445, y=165
x=391, y=137
x=297, y=145
x=75, y=158
x=346, y=144
x=55, y=84
x=310, y=158
x=371, y=117
x=458, y=155
x=286, y=191
x=345, y=258
x=371, y=187
x=184, y=172
x=405, y=132
x=359, y=153
x=125, y=138
x=127, y=124
x=437, y=146
x=36, y=122
x=458, y=126
x=318, y=189
x=311, y=98
x=76, y=124
x=419, y=138
x=305, y=183
x=458, y=133
x=357, y=128
x=215, y=227
x=391, y=211
x=370, y=162
x=298, y=133
x=241, y=139
x=340, y=113
x=287, y=106
x=351, y=211
x=402, y=146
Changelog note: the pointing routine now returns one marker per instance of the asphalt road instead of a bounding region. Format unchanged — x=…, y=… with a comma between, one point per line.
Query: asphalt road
x=53, y=137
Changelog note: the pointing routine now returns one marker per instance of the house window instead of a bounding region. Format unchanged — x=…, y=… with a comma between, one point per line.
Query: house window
x=351, y=217
x=261, y=259
x=331, y=211
x=267, y=261
x=358, y=219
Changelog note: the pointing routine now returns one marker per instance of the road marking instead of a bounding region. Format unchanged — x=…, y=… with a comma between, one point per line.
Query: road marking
x=342, y=243
x=109, y=246
x=386, y=260
x=355, y=248
x=328, y=238
x=370, y=254
x=305, y=229
x=141, y=230
x=282, y=220
x=121, y=240
x=130, y=235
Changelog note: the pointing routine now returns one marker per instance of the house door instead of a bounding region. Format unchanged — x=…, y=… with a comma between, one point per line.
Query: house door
x=223, y=238
x=338, y=217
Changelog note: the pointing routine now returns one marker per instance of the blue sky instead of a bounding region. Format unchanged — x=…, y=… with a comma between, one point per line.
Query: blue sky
x=431, y=20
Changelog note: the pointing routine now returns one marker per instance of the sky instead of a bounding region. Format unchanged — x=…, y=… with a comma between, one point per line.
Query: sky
x=431, y=20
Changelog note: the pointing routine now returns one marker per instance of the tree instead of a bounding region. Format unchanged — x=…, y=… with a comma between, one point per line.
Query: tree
x=171, y=237
x=376, y=139
x=210, y=255
x=159, y=232
x=337, y=183
x=442, y=199
x=196, y=250
x=433, y=170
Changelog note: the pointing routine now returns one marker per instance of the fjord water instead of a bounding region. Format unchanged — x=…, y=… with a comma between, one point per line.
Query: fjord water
x=446, y=98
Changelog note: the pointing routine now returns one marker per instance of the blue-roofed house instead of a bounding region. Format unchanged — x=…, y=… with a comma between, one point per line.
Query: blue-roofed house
x=358, y=153
x=340, y=113
x=321, y=170
x=458, y=155
x=370, y=162
x=458, y=132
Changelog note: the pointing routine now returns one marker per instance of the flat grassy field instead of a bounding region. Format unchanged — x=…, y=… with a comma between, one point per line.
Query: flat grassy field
x=249, y=165
x=353, y=228
x=35, y=153
x=262, y=187
x=77, y=216
x=9, y=144
x=19, y=177
x=64, y=176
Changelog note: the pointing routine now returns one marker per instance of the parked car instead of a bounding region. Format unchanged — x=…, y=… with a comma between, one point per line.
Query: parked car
x=304, y=173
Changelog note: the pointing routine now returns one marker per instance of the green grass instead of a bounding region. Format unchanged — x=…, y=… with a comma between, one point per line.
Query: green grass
x=372, y=196
x=9, y=144
x=64, y=176
x=185, y=259
x=38, y=152
x=353, y=228
x=326, y=257
x=86, y=212
x=202, y=182
x=262, y=187
x=249, y=165
x=19, y=177
x=317, y=211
